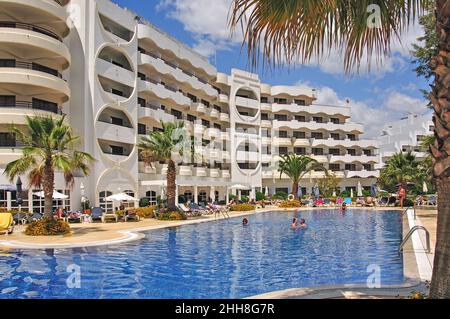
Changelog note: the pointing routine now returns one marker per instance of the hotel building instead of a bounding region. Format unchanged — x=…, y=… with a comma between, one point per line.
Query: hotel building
x=404, y=135
x=117, y=76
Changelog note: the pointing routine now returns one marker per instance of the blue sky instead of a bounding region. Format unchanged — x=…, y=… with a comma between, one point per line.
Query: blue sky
x=386, y=93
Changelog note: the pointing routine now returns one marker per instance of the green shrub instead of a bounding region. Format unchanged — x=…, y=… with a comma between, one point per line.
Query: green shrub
x=280, y=195
x=260, y=196
x=232, y=196
x=142, y=212
x=182, y=199
x=242, y=208
x=172, y=216
x=290, y=204
x=48, y=227
x=345, y=194
x=144, y=202
x=244, y=198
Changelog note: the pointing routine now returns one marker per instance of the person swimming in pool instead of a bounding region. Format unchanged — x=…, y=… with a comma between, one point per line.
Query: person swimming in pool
x=294, y=223
x=344, y=206
x=303, y=223
x=245, y=222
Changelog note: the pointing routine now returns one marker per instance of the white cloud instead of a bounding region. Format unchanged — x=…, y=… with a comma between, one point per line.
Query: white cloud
x=206, y=20
x=390, y=108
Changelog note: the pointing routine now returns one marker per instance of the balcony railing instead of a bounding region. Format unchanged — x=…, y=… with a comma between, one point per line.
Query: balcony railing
x=31, y=27
x=7, y=63
x=30, y=105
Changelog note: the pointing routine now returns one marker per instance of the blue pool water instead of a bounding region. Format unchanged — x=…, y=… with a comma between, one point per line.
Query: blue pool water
x=219, y=259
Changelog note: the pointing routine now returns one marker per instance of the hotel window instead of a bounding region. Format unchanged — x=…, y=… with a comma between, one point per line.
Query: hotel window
x=193, y=98
x=116, y=150
x=191, y=118
x=264, y=99
x=431, y=128
x=7, y=140
x=367, y=152
x=283, y=134
x=265, y=132
x=107, y=206
x=266, y=150
x=350, y=167
x=142, y=102
x=367, y=167
x=300, y=118
x=351, y=152
x=142, y=129
x=7, y=63
x=335, y=136
x=334, y=167
x=300, y=102
x=282, y=150
x=318, y=119
x=117, y=92
x=217, y=126
x=45, y=105
x=334, y=120
x=281, y=117
x=206, y=103
x=151, y=195
x=317, y=151
x=334, y=151
x=205, y=123
x=218, y=108
x=280, y=101
x=351, y=137
x=264, y=116
x=282, y=190
x=317, y=135
x=116, y=121
x=7, y=101
x=38, y=202
x=298, y=134
x=176, y=113
x=4, y=200
x=265, y=164
x=300, y=150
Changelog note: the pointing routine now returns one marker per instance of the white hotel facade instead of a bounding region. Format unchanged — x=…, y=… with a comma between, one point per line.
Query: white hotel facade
x=117, y=76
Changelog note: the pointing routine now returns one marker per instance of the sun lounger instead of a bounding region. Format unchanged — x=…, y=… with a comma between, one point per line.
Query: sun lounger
x=20, y=218
x=392, y=201
x=36, y=216
x=6, y=223
x=74, y=217
x=432, y=200
x=130, y=214
x=319, y=202
x=383, y=201
x=339, y=201
x=97, y=214
x=189, y=210
x=348, y=201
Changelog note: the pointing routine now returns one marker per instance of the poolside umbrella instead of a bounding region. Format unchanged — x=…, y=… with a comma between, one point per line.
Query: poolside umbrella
x=359, y=189
x=351, y=192
x=56, y=195
x=7, y=187
x=425, y=188
x=120, y=197
x=299, y=192
x=334, y=193
x=373, y=190
x=267, y=192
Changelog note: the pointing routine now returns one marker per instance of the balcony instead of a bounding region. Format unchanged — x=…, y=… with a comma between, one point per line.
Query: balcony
x=185, y=170
x=312, y=109
x=213, y=113
x=225, y=174
x=214, y=172
x=199, y=129
x=201, y=171
x=163, y=92
x=225, y=136
x=266, y=140
x=224, y=117
x=226, y=156
x=149, y=110
x=266, y=107
x=362, y=174
x=180, y=75
x=213, y=133
x=320, y=158
x=246, y=102
x=246, y=156
x=266, y=123
x=344, y=143
x=115, y=73
x=301, y=142
x=9, y=154
x=223, y=98
x=347, y=158
x=198, y=107
x=313, y=126
x=282, y=141
x=111, y=132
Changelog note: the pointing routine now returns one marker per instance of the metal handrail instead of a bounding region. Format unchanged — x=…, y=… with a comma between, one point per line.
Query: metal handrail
x=31, y=27
x=31, y=66
x=30, y=105
x=406, y=210
x=415, y=228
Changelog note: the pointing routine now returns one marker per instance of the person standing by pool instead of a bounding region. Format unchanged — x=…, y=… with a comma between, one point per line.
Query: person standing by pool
x=401, y=195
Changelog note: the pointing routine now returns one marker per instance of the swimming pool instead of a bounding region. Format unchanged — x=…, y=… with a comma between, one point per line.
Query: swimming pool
x=217, y=259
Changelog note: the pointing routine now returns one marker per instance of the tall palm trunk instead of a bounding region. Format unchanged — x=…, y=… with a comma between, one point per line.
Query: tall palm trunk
x=171, y=185
x=48, y=184
x=295, y=189
x=440, y=284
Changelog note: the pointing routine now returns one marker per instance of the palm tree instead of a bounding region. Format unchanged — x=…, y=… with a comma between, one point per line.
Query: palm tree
x=287, y=31
x=48, y=147
x=163, y=146
x=295, y=167
x=401, y=168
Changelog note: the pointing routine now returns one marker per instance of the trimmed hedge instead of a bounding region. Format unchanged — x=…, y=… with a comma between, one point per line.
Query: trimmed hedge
x=142, y=212
x=242, y=208
x=290, y=204
x=172, y=216
x=48, y=227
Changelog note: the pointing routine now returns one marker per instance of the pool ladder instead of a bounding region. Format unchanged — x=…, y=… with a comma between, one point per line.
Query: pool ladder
x=406, y=211
x=410, y=233
x=222, y=212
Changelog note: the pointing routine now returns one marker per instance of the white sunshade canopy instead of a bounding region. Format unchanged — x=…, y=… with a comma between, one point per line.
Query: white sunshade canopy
x=120, y=197
x=56, y=195
x=359, y=189
x=239, y=186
